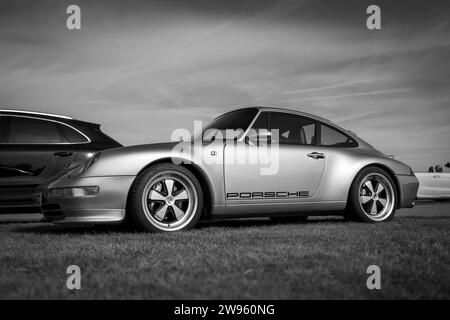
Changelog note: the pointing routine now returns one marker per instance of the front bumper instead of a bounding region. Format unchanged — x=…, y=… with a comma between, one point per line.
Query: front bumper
x=108, y=206
x=408, y=187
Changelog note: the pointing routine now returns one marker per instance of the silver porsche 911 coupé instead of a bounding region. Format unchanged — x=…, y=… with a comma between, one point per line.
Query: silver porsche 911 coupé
x=249, y=162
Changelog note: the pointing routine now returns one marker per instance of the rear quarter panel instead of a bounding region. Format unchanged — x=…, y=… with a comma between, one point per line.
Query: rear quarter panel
x=342, y=166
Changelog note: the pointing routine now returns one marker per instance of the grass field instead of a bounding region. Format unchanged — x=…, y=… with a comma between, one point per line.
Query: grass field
x=254, y=259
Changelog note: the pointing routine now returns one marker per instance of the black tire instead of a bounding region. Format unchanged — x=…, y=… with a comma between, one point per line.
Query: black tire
x=289, y=219
x=358, y=205
x=142, y=218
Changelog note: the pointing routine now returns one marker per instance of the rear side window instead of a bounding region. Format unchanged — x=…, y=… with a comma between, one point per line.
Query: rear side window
x=333, y=138
x=72, y=135
x=33, y=131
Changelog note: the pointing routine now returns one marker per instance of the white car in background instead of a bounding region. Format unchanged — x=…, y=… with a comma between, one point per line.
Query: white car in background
x=434, y=185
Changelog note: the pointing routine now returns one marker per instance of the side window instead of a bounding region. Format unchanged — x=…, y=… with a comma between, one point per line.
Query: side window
x=71, y=135
x=2, y=129
x=262, y=122
x=259, y=132
x=293, y=129
x=333, y=138
x=33, y=131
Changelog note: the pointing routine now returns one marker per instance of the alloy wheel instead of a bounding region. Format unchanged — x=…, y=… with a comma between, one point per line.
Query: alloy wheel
x=169, y=200
x=376, y=196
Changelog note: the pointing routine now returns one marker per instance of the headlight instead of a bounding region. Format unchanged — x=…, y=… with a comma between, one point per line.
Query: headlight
x=73, y=192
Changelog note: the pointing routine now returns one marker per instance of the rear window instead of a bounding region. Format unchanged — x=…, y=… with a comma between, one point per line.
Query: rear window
x=72, y=136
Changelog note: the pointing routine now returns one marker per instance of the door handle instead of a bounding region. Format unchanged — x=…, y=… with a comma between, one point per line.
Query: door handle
x=436, y=176
x=316, y=155
x=62, y=154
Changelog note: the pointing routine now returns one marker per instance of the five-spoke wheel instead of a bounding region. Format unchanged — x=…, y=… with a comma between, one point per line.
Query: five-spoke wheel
x=170, y=199
x=372, y=196
x=375, y=196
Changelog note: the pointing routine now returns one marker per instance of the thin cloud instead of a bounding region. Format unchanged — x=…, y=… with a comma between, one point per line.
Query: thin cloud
x=358, y=94
x=144, y=69
x=338, y=85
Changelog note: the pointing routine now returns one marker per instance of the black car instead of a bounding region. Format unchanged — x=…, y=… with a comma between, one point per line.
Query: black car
x=35, y=147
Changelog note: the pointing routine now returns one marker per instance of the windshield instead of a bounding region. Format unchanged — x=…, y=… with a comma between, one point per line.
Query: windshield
x=237, y=121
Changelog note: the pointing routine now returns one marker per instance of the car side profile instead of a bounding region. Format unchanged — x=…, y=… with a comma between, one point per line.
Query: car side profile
x=316, y=168
x=34, y=147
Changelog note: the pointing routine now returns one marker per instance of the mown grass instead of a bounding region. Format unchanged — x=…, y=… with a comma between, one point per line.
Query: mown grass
x=229, y=260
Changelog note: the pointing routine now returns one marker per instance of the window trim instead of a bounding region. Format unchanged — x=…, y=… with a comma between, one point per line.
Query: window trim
x=319, y=140
x=58, y=123
x=61, y=131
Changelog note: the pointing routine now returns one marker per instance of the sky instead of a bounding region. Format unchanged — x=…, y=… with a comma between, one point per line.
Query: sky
x=145, y=68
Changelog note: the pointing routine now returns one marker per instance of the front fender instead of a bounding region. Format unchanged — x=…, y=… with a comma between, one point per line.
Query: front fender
x=130, y=161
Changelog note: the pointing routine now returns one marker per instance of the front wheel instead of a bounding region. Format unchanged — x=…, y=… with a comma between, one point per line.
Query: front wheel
x=165, y=197
x=372, y=197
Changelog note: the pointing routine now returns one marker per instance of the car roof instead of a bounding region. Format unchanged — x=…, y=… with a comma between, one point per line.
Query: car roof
x=34, y=113
x=301, y=113
x=41, y=115
x=284, y=110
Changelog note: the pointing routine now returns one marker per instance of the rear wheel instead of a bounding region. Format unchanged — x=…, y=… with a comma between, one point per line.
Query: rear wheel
x=372, y=197
x=165, y=197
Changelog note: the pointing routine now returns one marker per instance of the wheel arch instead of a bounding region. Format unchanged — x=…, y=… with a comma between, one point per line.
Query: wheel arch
x=195, y=170
x=391, y=174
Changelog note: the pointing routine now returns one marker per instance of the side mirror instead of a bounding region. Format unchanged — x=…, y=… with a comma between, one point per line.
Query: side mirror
x=447, y=165
x=255, y=138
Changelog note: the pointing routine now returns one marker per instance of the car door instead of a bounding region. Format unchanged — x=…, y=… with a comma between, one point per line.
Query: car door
x=288, y=171
x=440, y=182
x=425, y=186
x=31, y=151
